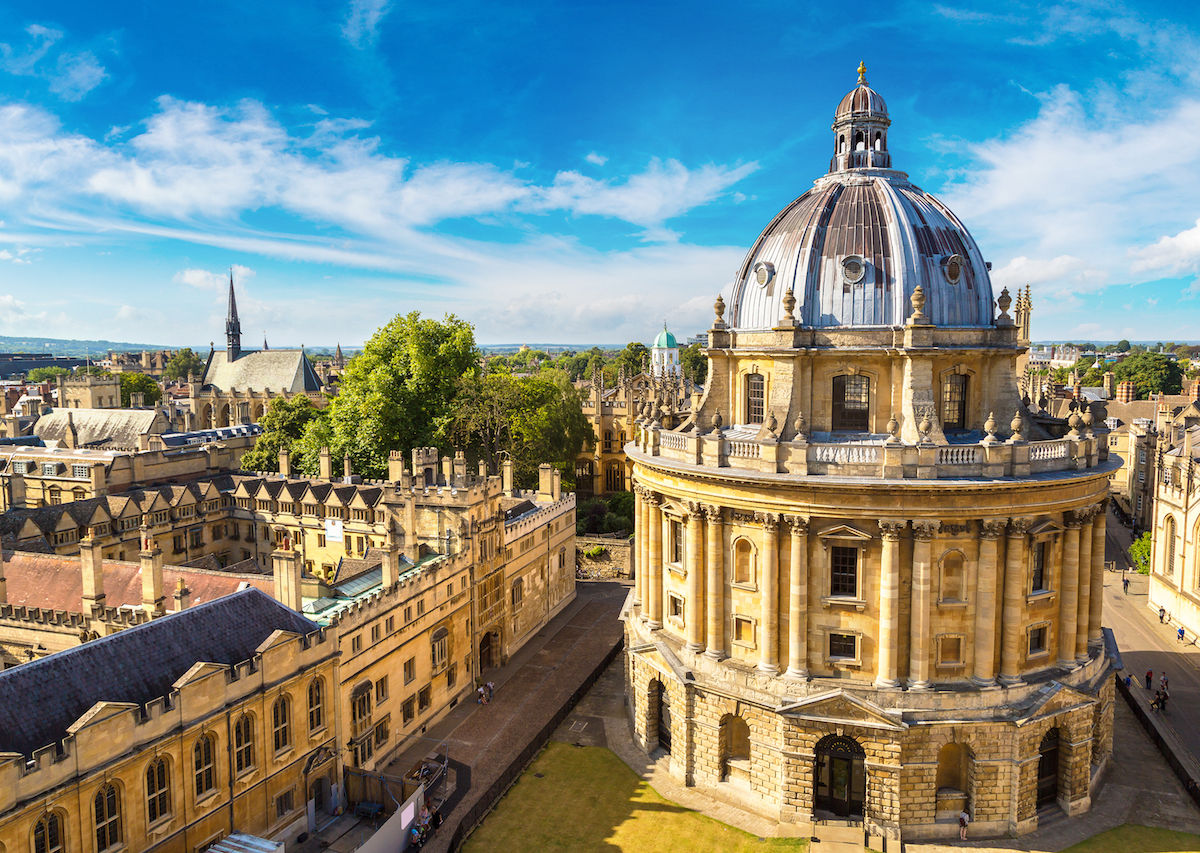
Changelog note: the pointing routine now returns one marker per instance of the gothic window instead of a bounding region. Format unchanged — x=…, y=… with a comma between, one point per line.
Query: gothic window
x=954, y=402
x=243, y=744
x=440, y=648
x=1169, y=541
x=108, y=818
x=360, y=709
x=316, y=705
x=851, y=403
x=518, y=591
x=281, y=720
x=204, y=765
x=608, y=441
x=843, y=563
x=755, y=398
x=614, y=477
x=1040, y=552
x=48, y=834
x=158, y=791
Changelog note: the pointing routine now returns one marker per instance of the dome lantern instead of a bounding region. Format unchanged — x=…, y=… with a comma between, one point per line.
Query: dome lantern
x=860, y=129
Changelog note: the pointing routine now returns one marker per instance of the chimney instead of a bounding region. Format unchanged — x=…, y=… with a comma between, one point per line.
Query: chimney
x=71, y=440
x=506, y=475
x=326, y=464
x=447, y=471
x=1126, y=392
x=391, y=559
x=183, y=596
x=460, y=470
x=482, y=471
x=347, y=472
x=91, y=561
x=1110, y=388
x=285, y=565
x=395, y=465
x=1077, y=391
x=545, y=476
x=285, y=463
x=137, y=399
x=152, y=575
x=556, y=484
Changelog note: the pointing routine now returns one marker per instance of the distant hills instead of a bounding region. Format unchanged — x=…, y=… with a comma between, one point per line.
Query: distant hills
x=100, y=348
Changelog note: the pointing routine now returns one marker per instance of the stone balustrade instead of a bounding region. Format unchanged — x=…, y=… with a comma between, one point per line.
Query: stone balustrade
x=875, y=459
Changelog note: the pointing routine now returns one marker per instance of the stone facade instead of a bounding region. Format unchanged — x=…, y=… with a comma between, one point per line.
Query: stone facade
x=1174, y=576
x=858, y=593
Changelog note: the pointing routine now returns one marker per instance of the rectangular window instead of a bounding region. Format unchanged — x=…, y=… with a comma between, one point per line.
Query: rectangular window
x=755, y=398
x=381, y=733
x=675, y=542
x=410, y=670
x=49, y=469
x=407, y=614
x=1037, y=640
x=1038, y=582
x=284, y=804
x=452, y=675
x=79, y=472
x=518, y=591
x=381, y=690
x=954, y=402
x=843, y=646
x=950, y=650
x=356, y=644
x=844, y=571
x=851, y=403
x=409, y=710
x=420, y=607
x=320, y=540
x=675, y=607
x=20, y=467
x=374, y=633
x=423, y=698
x=389, y=624
x=197, y=537
x=743, y=631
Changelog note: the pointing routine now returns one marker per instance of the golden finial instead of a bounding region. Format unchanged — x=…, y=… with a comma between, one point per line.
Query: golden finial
x=862, y=73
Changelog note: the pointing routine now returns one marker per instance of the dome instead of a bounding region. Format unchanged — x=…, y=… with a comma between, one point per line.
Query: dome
x=855, y=247
x=665, y=340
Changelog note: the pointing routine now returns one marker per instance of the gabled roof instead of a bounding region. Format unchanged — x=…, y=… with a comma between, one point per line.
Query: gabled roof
x=275, y=370
x=137, y=665
x=102, y=427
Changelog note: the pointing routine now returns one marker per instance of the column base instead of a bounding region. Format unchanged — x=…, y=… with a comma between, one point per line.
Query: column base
x=768, y=669
x=1011, y=680
x=794, y=674
x=653, y=624
x=1068, y=664
x=887, y=683
x=983, y=683
x=695, y=647
x=1082, y=659
x=919, y=685
x=716, y=654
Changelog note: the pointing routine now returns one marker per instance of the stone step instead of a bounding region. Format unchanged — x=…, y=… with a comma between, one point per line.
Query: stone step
x=838, y=832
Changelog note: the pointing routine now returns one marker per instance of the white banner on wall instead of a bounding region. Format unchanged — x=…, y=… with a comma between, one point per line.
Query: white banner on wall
x=333, y=530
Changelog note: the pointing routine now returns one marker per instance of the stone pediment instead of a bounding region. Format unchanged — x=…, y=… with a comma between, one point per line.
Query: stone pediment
x=844, y=531
x=1046, y=526
x=198, y=671
x=1053, y=699
x=98, y=713
x=843, y=707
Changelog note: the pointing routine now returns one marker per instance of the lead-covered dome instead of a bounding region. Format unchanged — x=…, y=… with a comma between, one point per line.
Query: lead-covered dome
x=855, y=247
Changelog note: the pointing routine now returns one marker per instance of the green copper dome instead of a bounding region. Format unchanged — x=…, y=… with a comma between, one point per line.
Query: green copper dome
x=665, y=340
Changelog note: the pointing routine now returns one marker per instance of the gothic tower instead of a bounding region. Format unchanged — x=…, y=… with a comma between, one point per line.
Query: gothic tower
x=233, y=326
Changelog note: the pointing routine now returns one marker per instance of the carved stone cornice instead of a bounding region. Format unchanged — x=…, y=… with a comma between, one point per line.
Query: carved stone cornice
x=924, y=529
x=892, y=528
x=713, y=514
x=992, y=528
x=797, y=523
x=956, y=528
x=1019, y=526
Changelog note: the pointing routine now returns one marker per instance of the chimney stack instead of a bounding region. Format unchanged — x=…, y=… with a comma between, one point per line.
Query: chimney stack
x=91, y=561
x=285, y=463
x=326, y=464
x=395, y=465
x=152, y=575
x=545, y=477
x=556, y=484
x=1126, y=392
x=1110, y=388
x=506, y=475
x=285, y=565
x=347, y=472
x=460, y=470
x=183, y=596
x=391, y=560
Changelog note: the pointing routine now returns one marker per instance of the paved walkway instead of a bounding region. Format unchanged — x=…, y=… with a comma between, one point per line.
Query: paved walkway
x=530, y=689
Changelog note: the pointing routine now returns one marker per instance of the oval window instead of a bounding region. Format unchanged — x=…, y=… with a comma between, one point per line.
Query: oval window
x=952, y=267
x=764, y=271
x=853, y=269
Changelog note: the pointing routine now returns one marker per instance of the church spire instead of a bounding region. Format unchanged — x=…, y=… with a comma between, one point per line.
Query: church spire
x=233, y=326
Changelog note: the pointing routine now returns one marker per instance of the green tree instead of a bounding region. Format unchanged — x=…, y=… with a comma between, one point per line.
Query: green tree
x=1139, y=552
x=1122, y=345
x=534, y=419
x=133, y=383
x=694, y=363
x=283, y=424
x=394, y=393
x=632, y=358
x=181, y=363
x=42, y=374
x=1150, y=372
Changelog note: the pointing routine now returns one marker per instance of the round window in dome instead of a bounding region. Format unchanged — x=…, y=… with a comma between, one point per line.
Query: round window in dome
x=764, y=271
x=853, y=269
x=952, y=268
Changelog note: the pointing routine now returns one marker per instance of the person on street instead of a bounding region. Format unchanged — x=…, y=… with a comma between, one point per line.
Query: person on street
x=1162, y=681
x=1157, y=703
x=963, y=820
x=1125, y=584
x=1162, y=614
x=1179, y=634
x=1149, y=678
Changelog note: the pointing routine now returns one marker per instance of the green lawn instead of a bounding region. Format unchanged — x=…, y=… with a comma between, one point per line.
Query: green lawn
x=588, y=799
x=1131, y=838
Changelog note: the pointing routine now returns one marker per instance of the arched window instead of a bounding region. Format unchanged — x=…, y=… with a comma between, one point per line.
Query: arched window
x=756, y=395
x=851, y=403
x=608, y=441
x=78, y=494
x=614, y=477
x=859, y=142
x=440, y=648
x=954, y=402
x=243, y=744
x=743, y=561
x=281, y=722
x=842, y=143
x=158, y=791
x=204, y=765
x=108, y=818
x=316, y=704
x=952, y=576
x=734, y=741
x=48, y=834
x=1169, y=543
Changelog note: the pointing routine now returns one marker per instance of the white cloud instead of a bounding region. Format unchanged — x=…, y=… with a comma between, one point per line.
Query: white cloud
x=361, y=28
x=596, y=159
x=208, y=280
x=71, y=75
x=1171, y=255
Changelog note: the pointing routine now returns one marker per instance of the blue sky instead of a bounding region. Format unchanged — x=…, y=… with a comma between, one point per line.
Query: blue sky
x=567, y=172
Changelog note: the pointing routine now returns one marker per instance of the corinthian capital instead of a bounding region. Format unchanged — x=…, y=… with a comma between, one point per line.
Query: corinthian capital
x=924, y=529
x=797, y=523
x=892, y=528
x=694, y=508
x=767, y=519
x=713, y=514
x=992, y=528
x=1019, y=526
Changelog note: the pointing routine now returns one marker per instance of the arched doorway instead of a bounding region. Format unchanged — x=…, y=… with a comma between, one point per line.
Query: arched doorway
x=661, y=705
x=1047, y=785
x=841, y=776
x=735, y=750
x=489, y=647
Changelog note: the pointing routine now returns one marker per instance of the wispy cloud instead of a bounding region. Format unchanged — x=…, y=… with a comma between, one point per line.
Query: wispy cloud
x=596, y=159
x=71, y=74
x=363, y=18
x=209, y=280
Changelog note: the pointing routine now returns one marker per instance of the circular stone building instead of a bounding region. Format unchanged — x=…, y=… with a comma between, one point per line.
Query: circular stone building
x=869, y=575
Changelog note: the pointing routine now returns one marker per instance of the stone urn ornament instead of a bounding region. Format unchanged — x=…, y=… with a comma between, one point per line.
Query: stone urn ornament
x=1015, y=425
x=719, y=310
x=789, y=307
x=801, y=427
x=1074, y=422
x=989, y=426
x=893, y=427
x=771, y=423
x=717, y=421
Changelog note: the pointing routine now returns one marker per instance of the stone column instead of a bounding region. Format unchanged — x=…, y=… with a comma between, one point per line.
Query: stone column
x=1083, y=605
x=1068, y=596
x=639, y=537
x=695, y=614
x=798, y=597
x=1014, y=600
x=990, y=530
x=654, y=591
x=1096, y=605
x=888, y=674
x=768, y=591
x=922, y=588
x=715, y=584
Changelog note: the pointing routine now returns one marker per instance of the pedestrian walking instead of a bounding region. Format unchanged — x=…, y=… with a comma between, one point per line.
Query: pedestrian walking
x=1156, y=701
x=482, y=695
x=1179, y=634
x=1128, y=681
x=491, y=688
x=1162, y=614
x=1149, y=678
x=1162, y=682
x=1125, y=584
x=963, y=820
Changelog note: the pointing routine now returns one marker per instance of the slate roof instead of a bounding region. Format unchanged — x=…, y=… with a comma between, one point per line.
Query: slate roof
x=136, y=665
x=276, y=370
x=99, y=427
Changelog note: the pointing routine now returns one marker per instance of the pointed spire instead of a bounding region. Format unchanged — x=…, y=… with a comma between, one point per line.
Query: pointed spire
x=233, y=326
x=265, y=347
